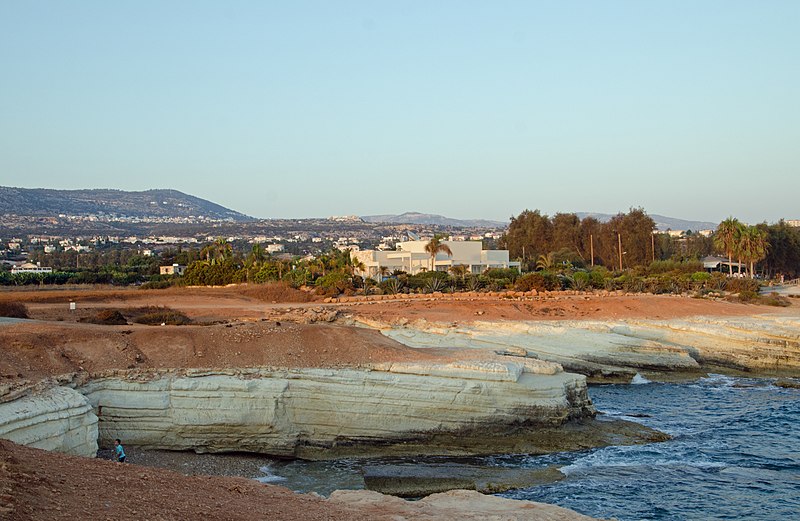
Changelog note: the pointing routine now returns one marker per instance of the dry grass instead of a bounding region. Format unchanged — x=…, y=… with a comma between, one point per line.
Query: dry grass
x=106, y=317
x=13, y=310
x=276, y=292
x=158, y=315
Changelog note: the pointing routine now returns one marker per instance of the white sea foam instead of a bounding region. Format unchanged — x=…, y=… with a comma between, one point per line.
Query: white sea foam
x=639, y=380
x=621, y=457
x=268, y=476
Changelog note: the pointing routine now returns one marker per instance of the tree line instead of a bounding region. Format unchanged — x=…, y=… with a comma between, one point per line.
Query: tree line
x=630, y=240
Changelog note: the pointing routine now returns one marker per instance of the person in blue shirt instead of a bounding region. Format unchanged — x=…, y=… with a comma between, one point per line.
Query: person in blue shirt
x=119, y=452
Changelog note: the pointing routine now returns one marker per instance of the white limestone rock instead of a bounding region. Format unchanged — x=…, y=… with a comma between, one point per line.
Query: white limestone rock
x=619, y=349
x=455, y=505
x=56, y=418
x=281, y=411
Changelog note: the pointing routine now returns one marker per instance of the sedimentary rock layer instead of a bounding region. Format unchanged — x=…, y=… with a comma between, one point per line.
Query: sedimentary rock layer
x=461, y=505
x=617, y=350
x=312, y=412
x=54, y=418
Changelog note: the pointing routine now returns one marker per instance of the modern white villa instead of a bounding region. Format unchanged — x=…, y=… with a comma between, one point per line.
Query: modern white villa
x=411, y=257
x=29, y=267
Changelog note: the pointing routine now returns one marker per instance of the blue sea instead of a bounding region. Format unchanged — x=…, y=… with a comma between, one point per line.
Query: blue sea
x=735, y=454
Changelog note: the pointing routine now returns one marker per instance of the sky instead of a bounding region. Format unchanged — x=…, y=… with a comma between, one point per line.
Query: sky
x=467, y=109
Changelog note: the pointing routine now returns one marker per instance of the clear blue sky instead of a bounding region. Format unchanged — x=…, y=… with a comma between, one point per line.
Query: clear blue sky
x=468, y=109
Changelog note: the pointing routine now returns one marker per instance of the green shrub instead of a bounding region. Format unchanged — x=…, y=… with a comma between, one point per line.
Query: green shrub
x=748, y=296
x=775, y=299
x=718, y=281
x=633, y=284
x=538, y=280
x=420, y=280
x=156, y=284
x=700, y=277
x=581, y=281
x=336, y=280
x=509, y=274
x=472, y=283
x=739, y=285
x=530, y=281
x=391, y=286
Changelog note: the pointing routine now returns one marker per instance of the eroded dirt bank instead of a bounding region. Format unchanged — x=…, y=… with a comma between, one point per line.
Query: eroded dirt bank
x=45, y=486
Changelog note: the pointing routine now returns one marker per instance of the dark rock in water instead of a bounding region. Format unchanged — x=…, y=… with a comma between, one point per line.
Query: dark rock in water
x=411, y=480
x=788, y=384
x=638, y=415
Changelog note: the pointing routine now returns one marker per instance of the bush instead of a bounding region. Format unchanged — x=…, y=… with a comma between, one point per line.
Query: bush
x=748, y=296
x=277, y=292
x=391, y=286
x=13, y=310
x=718, y=281
x=581, y=281
x=776, y=300
x=509, y=274
x=157, y=315
x=538, y=280
x=337, y=280
x=530, y=281
x=106, y=317
x=156, y=284
x=420, y=280
x=739, y=285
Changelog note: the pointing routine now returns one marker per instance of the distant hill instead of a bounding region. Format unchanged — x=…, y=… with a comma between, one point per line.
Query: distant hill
x=147, y=204
x=662, y=223
x=428, y=218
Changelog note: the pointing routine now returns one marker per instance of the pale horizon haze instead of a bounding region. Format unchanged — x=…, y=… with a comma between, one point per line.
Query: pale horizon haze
x=466, y=109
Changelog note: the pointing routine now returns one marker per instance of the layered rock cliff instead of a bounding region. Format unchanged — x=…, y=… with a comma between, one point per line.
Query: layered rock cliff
x=326, y=413
x=50, y=418
x=617, y=350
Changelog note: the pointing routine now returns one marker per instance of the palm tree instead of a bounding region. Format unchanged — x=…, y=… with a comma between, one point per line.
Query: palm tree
x=753, y=246
x=257, y=256
x=383, y=271
x=358, y=265
x=727, y=237
x=459, y=271
x=545, y=262
x=436, y=246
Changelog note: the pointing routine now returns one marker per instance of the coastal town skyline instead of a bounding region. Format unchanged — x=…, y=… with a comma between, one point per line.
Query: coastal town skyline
x=463, y=110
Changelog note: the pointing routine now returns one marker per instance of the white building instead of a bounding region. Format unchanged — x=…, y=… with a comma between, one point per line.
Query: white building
x=31, y=268
x=175, y=269
x=411, y=257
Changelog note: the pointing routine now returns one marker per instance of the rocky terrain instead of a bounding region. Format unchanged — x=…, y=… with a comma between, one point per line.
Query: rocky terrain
x=46, y=486
x=361, y=377
x=609, y=351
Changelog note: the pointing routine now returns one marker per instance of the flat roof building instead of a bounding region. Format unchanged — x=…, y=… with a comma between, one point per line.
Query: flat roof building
x=411, y=257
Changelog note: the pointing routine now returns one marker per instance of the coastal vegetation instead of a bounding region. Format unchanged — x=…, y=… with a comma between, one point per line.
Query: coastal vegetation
x=562, y=252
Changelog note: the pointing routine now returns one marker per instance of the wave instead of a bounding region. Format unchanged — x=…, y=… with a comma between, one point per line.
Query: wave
x=268, y=476
x=639, y=380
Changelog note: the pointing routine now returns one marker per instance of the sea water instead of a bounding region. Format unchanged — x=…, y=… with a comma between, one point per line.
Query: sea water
x=735, y=454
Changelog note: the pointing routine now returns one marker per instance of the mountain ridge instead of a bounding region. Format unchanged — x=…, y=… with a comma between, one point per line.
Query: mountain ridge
x=663, y=223
x=429, y=218
x=155, y=203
